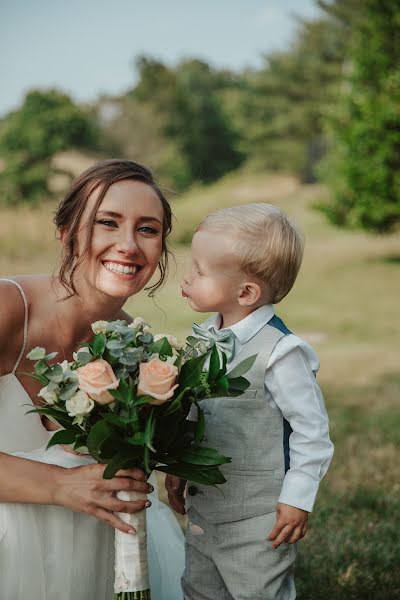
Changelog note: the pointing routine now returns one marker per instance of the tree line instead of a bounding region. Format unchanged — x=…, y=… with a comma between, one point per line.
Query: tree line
x=326, y=107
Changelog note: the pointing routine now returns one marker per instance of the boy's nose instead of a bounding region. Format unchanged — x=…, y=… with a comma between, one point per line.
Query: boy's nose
x=186, y=279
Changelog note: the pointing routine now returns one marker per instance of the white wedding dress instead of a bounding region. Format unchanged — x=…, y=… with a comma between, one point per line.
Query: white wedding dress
x=52, y=553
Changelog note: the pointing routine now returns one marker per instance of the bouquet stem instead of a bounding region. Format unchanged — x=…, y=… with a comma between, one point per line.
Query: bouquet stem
x=131, y=569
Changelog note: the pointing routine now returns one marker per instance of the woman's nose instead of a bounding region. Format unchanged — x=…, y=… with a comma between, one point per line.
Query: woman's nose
x=128, y=244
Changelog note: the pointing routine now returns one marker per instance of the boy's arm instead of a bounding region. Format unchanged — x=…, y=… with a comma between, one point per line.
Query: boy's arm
x=175, y=488
x=291, y=385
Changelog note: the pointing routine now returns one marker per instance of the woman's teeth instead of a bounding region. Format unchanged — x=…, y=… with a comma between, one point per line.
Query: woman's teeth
x=117, y=268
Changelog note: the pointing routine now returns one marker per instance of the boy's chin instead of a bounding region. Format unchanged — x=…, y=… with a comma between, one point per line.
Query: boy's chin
x=199, y=308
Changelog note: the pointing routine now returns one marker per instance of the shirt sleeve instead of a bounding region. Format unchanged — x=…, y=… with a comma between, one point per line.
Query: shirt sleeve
x=291, y=384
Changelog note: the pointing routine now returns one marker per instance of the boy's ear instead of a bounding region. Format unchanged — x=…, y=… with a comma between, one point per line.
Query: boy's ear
x=250, y=293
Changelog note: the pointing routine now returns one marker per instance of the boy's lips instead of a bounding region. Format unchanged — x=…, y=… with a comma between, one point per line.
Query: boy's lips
x=184, y=294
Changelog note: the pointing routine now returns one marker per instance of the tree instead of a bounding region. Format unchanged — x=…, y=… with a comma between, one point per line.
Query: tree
x=364, y=163
x=193, y=116
x=46, y=123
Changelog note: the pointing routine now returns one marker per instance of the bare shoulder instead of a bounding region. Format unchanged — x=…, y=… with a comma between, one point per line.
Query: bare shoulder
x=12, y=308
x=12, y=316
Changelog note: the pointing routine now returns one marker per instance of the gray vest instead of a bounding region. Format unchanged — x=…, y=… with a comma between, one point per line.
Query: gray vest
x=252, y=433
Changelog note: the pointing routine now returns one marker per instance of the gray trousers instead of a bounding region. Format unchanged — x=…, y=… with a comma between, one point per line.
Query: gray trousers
x=235, y=561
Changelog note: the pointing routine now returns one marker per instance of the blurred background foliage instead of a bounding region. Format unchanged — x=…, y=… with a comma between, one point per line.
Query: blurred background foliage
x=326, y=108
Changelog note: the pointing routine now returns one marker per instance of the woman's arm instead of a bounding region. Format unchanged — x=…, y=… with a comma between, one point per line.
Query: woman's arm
x=81, y=489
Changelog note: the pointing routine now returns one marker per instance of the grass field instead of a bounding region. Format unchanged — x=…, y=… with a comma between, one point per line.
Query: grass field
x=345, y=303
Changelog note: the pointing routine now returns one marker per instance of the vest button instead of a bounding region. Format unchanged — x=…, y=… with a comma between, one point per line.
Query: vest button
x=192, y=490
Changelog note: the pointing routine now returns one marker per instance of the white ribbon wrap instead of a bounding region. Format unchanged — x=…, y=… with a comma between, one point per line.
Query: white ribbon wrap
x=131, y=568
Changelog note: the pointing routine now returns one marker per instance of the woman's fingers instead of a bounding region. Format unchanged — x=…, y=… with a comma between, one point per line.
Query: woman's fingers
x=134, y=473
x=117, y=484
x=112, y=519
x=114, y=504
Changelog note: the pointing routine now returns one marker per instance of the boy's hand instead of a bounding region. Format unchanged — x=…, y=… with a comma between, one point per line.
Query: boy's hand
x=291, y=525
x=175, y=488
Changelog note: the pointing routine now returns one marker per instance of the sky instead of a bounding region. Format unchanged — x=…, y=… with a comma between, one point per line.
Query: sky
x=88, y=47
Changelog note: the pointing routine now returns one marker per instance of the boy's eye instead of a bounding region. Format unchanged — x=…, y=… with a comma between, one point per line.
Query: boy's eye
x=107, y=222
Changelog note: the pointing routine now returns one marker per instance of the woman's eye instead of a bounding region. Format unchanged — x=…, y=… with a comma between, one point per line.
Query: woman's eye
x=107, y=222
x=147, y=229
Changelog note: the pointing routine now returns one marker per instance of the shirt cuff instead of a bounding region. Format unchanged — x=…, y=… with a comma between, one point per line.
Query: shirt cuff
x=299, y=490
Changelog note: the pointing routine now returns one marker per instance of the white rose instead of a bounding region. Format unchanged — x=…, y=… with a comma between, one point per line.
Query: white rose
x=173, y=341
x=138, y=322
x=146, y=329
x=80, y=404
x=99, y=327
x=49, y=396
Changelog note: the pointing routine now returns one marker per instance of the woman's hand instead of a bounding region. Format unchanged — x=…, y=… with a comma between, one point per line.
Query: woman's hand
x=83, y=489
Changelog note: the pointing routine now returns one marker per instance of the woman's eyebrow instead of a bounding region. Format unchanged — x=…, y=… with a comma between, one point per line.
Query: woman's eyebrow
x=111, y=213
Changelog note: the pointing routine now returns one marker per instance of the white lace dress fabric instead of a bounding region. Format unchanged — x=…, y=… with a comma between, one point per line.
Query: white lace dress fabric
x=52, y=553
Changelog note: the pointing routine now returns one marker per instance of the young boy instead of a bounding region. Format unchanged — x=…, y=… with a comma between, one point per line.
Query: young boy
x=240, y=542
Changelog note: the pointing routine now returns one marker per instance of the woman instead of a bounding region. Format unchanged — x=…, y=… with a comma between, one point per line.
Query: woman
x=113, y=226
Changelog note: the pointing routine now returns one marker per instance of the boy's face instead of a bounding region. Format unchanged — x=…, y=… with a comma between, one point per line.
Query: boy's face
x=214, y=282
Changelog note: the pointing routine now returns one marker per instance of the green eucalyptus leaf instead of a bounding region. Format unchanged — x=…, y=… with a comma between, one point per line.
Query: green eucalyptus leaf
x=84, y=357
x=55, y=373
x=146, y=338
x=37, y=353
x=50, y=356
x=68, y=391
x=116, y=344
x=41, y=367
x=242, y=367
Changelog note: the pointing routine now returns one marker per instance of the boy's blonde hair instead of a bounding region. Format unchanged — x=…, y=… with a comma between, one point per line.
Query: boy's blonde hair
x=269, y=247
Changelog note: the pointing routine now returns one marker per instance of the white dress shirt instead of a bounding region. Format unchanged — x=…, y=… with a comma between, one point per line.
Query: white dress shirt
x=291, y=387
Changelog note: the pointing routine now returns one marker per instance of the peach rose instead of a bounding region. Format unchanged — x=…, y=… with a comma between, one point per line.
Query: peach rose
x=157, y=378
x=96, y=378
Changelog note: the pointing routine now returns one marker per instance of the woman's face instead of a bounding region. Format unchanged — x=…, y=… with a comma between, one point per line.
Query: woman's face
x=126, y=240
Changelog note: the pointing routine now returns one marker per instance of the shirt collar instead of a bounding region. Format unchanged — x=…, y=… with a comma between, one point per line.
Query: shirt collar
x=245, y=329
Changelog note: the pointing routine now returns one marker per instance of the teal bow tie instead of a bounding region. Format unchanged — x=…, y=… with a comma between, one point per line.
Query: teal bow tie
x=223, y=340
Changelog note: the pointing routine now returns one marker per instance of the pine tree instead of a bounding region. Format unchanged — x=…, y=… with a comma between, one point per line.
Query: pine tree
x=364, y=163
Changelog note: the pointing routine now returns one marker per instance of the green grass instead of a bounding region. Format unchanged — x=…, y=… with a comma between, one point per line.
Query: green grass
x=345, y=303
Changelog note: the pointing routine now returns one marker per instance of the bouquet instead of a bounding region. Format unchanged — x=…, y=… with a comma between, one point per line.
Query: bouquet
x=125, y=399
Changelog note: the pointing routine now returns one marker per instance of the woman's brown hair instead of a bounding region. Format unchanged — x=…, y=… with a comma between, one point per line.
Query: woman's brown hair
x=67, y=219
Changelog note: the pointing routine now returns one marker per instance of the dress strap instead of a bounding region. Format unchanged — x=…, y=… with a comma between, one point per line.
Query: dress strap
x=25, y=322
